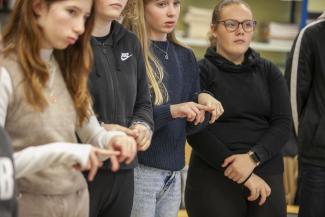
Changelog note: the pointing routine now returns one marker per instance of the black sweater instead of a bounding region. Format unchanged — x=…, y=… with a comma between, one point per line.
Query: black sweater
x=118, y=80
x=257, y=111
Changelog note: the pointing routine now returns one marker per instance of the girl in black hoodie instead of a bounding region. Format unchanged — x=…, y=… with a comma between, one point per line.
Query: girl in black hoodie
x=118, y=85
x=236, y=162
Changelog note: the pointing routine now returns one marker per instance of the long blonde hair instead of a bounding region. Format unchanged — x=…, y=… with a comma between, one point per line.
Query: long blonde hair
x=134, y=20
x=20, y=37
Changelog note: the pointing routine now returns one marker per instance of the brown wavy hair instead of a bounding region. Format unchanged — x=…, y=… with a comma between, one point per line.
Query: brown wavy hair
x=20, y=37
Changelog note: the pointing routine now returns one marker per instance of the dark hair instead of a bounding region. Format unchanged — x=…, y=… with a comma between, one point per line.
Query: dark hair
x=217, y=12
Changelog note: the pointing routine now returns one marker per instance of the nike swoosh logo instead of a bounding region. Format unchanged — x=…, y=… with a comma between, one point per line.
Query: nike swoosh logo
x=125, y=56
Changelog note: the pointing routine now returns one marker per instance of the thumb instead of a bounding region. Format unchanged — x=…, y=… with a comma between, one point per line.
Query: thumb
x=228, y=160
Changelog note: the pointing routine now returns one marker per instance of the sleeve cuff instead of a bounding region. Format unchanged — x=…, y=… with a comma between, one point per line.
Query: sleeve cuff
x=144, y=124
x=164, y=112
x=260, y=153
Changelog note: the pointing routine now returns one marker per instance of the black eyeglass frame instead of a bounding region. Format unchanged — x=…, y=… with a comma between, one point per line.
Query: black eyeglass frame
x=237, y=24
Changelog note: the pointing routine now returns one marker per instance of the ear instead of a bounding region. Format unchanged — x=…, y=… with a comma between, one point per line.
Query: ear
x=39, y=7
x=213, y=29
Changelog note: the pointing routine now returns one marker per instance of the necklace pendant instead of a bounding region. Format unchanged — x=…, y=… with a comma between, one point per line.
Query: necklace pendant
x=166, y=57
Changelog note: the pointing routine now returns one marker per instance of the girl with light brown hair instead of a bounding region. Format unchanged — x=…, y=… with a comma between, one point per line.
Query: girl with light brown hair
x=44, y=100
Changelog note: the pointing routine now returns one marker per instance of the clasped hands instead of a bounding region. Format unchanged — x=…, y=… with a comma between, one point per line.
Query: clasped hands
x=239, y=168
x=196, y=111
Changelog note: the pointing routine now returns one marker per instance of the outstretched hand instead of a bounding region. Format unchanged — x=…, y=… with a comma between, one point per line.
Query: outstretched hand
x=127, y=147
x=94, y=161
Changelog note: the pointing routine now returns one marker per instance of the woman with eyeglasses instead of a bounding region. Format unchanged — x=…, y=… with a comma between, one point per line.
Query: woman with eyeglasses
x=236, y=167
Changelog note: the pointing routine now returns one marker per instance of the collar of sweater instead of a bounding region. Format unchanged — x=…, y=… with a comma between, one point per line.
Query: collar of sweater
x=250, y=61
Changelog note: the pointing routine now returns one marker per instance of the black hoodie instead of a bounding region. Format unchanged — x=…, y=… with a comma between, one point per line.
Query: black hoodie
x=257, y=111
x=118, y=80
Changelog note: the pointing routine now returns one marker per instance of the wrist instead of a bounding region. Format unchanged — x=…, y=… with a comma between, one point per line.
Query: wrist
x=247, y=178
x=140, y=124
x=173, y=111
x=254, y=158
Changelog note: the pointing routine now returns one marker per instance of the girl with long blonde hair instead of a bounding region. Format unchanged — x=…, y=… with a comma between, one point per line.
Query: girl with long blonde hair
x=173, y=77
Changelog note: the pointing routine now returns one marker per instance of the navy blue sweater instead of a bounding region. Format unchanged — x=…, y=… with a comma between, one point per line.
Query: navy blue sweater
x=181, y=79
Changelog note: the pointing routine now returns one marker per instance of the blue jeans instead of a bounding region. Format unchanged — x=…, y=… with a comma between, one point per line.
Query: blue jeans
x=157, y=193
x=312, y=191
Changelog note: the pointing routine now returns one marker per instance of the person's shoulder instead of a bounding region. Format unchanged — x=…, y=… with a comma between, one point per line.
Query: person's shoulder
x=184, y=51
x=269, y=69
x=9, y=61
x=315, y=27
x=131, y=36
x=182, y=47
x=313, y=31
x=122, y=34
x=131, y=41
x=204, y=63
x=127, y=34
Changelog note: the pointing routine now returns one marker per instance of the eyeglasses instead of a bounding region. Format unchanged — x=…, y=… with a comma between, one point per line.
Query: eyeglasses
x=233, y=25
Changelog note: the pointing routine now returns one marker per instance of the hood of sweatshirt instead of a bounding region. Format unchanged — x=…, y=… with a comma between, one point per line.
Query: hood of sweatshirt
x=251, y=61
x=116, y=34
x=114, y=39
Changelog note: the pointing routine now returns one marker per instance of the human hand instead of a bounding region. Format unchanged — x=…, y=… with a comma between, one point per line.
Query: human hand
x=94, y=163
x=127, y=147
x=213, y=106
x=238, y=167
x=258, y=188
x=189, y=110
x=144, y=136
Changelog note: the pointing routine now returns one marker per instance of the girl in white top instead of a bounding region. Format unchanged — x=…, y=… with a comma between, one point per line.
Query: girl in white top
x=44, y=100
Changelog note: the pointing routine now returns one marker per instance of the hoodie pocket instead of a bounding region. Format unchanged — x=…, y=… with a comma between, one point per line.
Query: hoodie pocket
x=319, y=138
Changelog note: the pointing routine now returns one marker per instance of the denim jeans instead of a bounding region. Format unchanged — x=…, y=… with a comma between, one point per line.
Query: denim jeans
x=312, y=191
x=157, y=193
